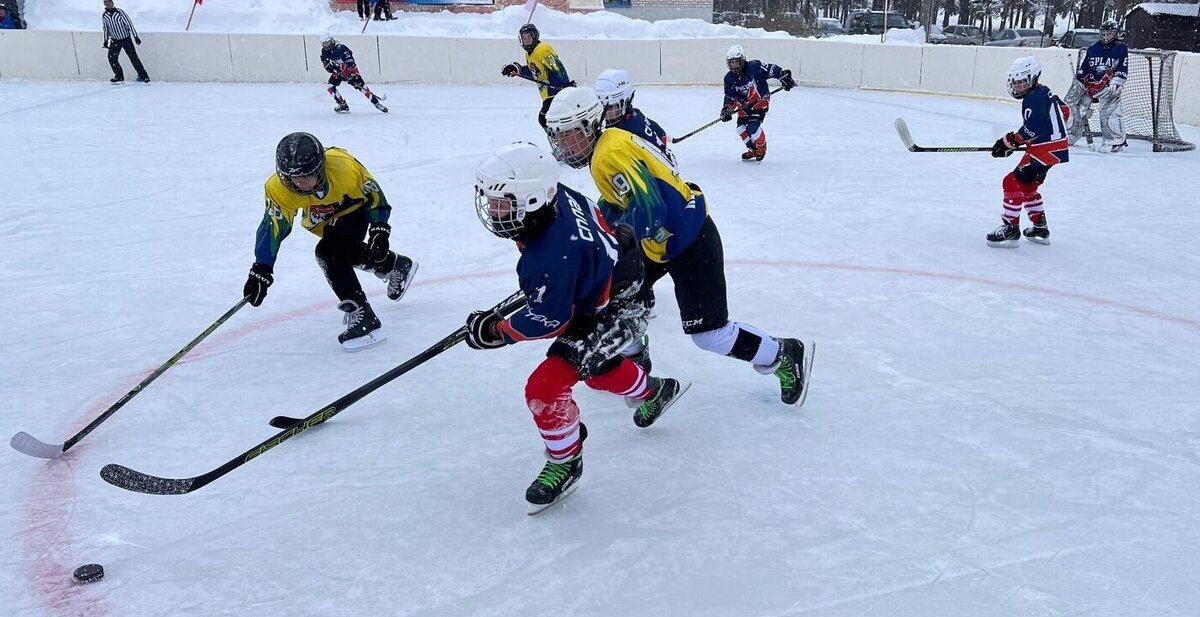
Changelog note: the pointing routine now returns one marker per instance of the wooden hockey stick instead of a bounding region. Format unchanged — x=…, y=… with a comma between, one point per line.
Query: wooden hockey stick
x=906, y=137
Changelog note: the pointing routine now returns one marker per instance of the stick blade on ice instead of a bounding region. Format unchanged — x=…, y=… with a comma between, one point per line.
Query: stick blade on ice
x=905, y=136
x=32, y=446
x=121, y=476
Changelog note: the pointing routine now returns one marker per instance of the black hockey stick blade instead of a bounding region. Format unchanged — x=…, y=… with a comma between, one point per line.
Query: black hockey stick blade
x=676, y=140
x=139, y=482
x=284, y=421
x=31, y=446
x=906, y=137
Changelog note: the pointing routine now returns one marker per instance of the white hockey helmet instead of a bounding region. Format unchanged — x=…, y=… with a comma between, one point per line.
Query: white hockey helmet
x=512, y=185
x=327, y=41
x=614, y=88
x=735, y=58
x=1023, y=76
x=574, y=122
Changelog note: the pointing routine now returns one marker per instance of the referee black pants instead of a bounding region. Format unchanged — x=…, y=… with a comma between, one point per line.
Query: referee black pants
x=114, y=50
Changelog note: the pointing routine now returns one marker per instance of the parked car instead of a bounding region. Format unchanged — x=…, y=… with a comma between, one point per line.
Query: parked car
x=828, y=26
x=936, y=35
x=964, y=34
x=1079, y=39
x=1021, y=37
x=871, y=22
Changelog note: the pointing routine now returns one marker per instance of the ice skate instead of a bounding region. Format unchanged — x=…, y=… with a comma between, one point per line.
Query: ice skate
x=666, y=392
x=1006, y=236
x=793, y=367
x=1039, y=234
x=749, y=155
x=378, y=105
x=557, y=480
x=342, y=109
x=400, y=277
x=363, y=328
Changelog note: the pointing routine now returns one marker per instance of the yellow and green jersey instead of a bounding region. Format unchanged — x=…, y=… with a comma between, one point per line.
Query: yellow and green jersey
x=348, y=187
x=640, y=186
x=543, y=65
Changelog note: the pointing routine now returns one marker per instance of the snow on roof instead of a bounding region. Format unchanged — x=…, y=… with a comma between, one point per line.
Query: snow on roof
x=1167, y=8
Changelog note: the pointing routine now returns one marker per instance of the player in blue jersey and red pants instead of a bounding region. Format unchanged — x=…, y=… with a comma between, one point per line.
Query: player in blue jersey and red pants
x=338, y=60
x=581, y=284
x=1043, y=136
x=1100, y=77
x=747, y=96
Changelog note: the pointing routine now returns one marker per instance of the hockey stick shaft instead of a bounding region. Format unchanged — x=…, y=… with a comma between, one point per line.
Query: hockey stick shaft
x=740, y=108
x=536, y=81
x=136, y=481
x=27, y=444
x=906, y=137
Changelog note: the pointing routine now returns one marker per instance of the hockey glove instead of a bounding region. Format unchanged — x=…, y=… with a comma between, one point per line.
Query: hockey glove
x=511, y=69
x=785, y=80
x=482, y=331
x=377, y=241
x=137, y=40
x=1005, y=146
x=257, y=283
x=726, y=114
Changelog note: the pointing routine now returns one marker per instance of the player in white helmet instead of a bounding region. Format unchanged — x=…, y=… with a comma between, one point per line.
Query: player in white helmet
x=615, y=90
x=1043, y=135
x=748, y=97
x=338, y=60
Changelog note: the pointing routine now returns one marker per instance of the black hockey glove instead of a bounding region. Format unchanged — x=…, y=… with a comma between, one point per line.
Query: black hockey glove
x=1004, y=146
x=785, y=80
x=572, y=84
x=137, y=40
x=726, y=114
x=377, y=241
x=257, y=283
x=511, y=69
x=482, y=332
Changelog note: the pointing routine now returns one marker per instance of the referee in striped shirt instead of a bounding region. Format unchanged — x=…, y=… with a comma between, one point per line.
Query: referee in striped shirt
x=119, y=34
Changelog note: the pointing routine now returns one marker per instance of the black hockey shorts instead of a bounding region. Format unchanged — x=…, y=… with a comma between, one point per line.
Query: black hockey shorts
x=1034, y=173
x=355, y=81
x=341, y=249
x=699, y=276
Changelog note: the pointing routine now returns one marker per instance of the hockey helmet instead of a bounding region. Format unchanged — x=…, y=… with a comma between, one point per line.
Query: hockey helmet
x=573, y=123
x=735, y=58
x=529, y=37
x=515, y=188
x=1023, y=76
x=327, y=41
x=615, y=91
x=300, y=163
x=1108, y=32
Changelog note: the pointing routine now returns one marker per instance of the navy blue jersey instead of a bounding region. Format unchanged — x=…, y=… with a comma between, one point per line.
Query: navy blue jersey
x=1103, y=64
x=338, y=60
x=566, y=271
x=641, y=125
x=750, y=87
x=1044, y=130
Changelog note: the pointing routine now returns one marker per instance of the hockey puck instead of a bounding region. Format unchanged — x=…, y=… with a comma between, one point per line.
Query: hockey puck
x=89, y=573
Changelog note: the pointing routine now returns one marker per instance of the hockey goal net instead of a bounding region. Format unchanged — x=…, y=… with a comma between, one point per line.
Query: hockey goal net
x=1147, y=100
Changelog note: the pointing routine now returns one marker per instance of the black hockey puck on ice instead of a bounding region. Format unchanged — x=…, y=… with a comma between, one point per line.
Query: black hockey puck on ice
x=89, y=573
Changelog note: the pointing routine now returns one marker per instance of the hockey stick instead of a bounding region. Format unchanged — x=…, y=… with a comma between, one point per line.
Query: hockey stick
x=741, y=107
x=906, y=137
x=28, y=444
x=138, y=482
x=536, y=81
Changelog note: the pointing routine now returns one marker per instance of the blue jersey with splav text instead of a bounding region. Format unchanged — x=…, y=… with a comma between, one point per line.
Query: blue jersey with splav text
x=338, y=59
x=565, y=272
x=749, y=88
x=641, y=125
x=1044, y=128
x=1104, y=63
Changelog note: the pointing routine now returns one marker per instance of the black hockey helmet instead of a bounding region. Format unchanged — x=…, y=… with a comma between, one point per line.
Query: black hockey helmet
x=534, y=37
x=1108, y=32
x=300, y=154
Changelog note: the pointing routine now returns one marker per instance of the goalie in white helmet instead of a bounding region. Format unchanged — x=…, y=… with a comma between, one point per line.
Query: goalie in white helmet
x=1043, y=136
x=640, y=187
x=1100, y=79
x=581, y=283
x=615, y=90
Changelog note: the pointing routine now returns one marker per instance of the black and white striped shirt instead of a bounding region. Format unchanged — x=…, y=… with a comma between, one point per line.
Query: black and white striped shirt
x=117, y=25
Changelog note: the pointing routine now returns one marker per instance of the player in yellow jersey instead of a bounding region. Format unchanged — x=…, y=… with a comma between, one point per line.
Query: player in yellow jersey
x=542, y=65
x=640, y=186
x=338, y=200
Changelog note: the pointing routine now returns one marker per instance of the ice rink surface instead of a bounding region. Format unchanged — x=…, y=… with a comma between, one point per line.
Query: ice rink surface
x=988, y=433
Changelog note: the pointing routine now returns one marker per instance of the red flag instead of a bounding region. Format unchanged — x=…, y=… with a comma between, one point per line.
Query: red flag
x=199, y=1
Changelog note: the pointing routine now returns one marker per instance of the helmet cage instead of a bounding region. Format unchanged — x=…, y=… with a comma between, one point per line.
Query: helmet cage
x=1108, y=32
x=573, y=124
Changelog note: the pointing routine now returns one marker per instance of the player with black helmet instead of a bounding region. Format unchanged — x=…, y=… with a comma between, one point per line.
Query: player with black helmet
x=342, y=203
x=542, y=65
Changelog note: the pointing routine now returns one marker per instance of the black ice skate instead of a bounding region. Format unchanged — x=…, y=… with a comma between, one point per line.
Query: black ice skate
x=342, y=109
x=557, y=480
x=1038, y=233
x=363, y=328
x=792, y=366
x=1006, y=236
x=749, y=155
x=378, y=105
x=400, y=277
x=666, y=392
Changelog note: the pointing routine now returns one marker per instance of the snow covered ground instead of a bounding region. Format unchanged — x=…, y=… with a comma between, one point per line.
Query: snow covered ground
x=989, y=432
